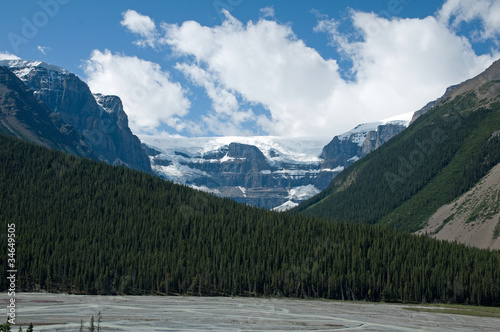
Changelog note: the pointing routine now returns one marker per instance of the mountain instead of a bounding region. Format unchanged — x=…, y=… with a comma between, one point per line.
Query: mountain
x=353, y=145
x=23, y=116
x=84, y=227
x=260, y=171
x=442, y=155
x=100, y=119
x=473, y=218
x=270, y=172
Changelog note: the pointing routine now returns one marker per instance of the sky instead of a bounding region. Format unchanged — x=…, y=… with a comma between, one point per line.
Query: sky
x=199, y=68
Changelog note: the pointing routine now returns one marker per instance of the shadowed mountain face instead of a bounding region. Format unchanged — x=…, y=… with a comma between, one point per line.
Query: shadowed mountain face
x=448, y=149
x=23, y=116
x=104, y=126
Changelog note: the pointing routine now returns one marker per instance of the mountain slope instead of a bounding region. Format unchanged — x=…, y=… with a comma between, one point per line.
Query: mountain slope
x=106, y=130
x=23, y=116
x=473, y=218
x=87, y=227
x=439, y=157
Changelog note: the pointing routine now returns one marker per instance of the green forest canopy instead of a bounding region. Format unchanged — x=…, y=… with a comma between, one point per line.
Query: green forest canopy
x=89, y=228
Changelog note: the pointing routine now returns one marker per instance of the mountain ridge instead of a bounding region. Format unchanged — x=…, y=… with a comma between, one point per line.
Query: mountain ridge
x=65, y=94
x=23, y=116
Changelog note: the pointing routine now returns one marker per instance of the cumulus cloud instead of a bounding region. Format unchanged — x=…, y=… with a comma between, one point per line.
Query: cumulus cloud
x=8, y=56
x=142, y=25
x=401, y=64
x=454, y=12
x=398, y=65
x=264, y=63
x=149, y=97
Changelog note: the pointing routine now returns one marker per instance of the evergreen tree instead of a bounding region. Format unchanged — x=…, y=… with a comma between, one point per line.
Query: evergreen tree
x=110, y=230
x=5, y=327
x=92, y=324
x=99, y=319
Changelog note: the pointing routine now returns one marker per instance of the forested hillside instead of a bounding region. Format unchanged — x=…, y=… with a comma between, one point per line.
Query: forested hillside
x=443, y=154
x=86, y=227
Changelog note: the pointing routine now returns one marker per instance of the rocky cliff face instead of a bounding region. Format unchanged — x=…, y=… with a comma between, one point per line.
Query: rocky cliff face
x=120, y=143
x=349, y=147
x=105, y=126
x=23, y=116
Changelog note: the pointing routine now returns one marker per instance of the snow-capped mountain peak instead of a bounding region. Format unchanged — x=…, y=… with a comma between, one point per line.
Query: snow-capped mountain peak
x=23, y=68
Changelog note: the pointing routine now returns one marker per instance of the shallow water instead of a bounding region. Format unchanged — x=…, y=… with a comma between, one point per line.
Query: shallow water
x=60, y=312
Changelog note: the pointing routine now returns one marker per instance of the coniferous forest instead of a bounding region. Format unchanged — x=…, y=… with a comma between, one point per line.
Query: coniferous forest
x=88, y=228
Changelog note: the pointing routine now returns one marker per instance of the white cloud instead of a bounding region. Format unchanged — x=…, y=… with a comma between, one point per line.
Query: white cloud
x=455, y=12
x=43, y=49
x=401, y=64
x=398, y=65
x=142, y=25
x=148, y=95
x=264, y=63
x=224, y=102
x=8, y=56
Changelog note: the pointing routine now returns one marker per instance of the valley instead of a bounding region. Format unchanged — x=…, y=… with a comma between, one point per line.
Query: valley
x=236, y=165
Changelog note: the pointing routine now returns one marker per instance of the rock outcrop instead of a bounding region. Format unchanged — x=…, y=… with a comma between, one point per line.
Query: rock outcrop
x=347, y=148
x=23, y=116
x=104, y=127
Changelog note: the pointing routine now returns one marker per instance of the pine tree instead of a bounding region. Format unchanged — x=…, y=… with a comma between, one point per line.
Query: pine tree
x=81, y=325
x=5, y=327
x=92, y=324
x=30, y=328
x=99, y=318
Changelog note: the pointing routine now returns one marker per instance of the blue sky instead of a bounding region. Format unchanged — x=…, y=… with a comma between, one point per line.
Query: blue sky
x=254, y=67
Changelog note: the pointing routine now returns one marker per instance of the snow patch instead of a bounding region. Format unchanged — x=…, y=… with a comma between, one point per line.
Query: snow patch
x=226, y=159
x=354, y=159
x=336, y=169
x=288, y=205
x=23, y=67
x=243, y=191
x=179, y=173
x=206, y=189
x=302, y=192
